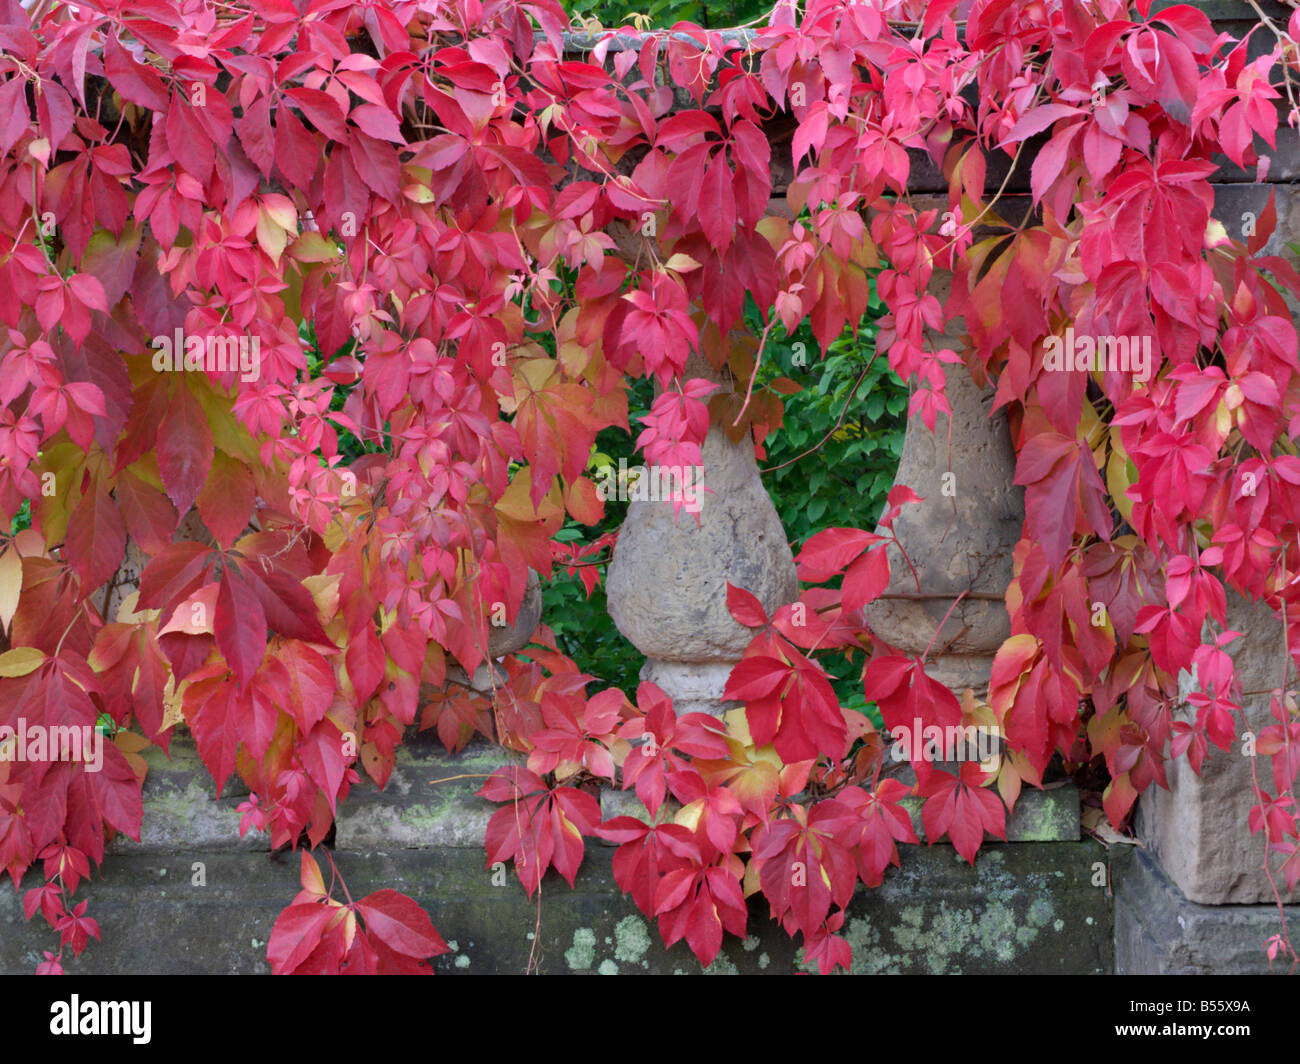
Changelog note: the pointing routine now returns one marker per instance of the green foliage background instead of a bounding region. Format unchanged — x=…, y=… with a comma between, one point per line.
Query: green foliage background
x=715, y=14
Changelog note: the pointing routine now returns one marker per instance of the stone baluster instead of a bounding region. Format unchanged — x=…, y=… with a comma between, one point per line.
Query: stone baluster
x=960, y=538
x=667, y=580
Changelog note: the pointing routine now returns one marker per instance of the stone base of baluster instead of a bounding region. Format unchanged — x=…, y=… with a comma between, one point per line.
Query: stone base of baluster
x=484, y=679
x=958, y=672
x=694, y=687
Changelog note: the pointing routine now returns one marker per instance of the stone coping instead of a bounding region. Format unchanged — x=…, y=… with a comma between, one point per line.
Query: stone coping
x=182, y=815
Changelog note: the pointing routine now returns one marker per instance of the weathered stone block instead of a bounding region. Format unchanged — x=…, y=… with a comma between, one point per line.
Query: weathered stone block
x=1039, y=816
x=1158, y=931
x=1199, y=828
x=1022, y=908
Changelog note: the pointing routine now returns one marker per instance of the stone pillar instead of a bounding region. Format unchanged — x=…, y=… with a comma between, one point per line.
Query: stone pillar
x=959, y=539
x=1199, y=828
x=503, y=640
x=667, y=580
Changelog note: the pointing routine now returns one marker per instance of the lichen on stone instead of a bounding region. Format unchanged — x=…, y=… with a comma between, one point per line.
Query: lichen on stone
x=632, y=940
x=721, y=966
x=582, y=954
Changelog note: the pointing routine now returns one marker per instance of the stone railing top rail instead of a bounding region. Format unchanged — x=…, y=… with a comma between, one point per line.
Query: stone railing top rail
x=1235, y=17
x=1219, y=11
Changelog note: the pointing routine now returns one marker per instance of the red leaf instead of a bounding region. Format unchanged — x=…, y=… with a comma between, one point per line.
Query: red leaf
x=365, y=662
x=400, y=923
x=187, y=140
x=138, y=84
x=296, y=933
x=306, y=683
x=173, y=575
x=377, y=164
x=745, y=607
x=828, y=552
x=297, y=149
x=322, y=756
x=684, y=129
x=117, y=792
x=209, y=706
x=289, y=607
x=961, y=809
x=226, y=501
x=15, y=116
x=322, y=110
x=866, y=579
x=239, y=625
x=718, y=206
x=96, y=540
x=184, y=449
x=256, y=135
x=378, y=122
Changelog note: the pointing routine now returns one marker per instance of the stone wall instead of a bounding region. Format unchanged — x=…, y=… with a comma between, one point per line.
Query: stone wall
x=1027, y=906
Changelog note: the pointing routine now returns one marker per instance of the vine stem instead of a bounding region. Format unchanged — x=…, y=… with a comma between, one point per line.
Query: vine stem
x=1015, y=159
x=334, y=869
x=847, y=403
x=1284, y=38
x=758, y=361
x=940, y=627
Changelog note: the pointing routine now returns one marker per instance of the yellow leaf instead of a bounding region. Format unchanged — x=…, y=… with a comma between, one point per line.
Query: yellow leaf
x=681, y=263
x=1009, y=784
x=20, y=661
x=11, y=585
x=418, y=193
x=270, y=235
x=67, y=462
x=131, y=744
x=314, y=247
x=281, y=211
x=1120, y=475
x=128, y=614
x=228, y=433
x=516, y=504
x=324, y=590
x=311, y=878
x=865, y=254
x=689, y=815
x=738, y=726
x=1215, y=234
x=172, y=704
x=532, y=375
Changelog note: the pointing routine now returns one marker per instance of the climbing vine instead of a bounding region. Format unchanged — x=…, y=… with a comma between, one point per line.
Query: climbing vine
x=488, y=237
